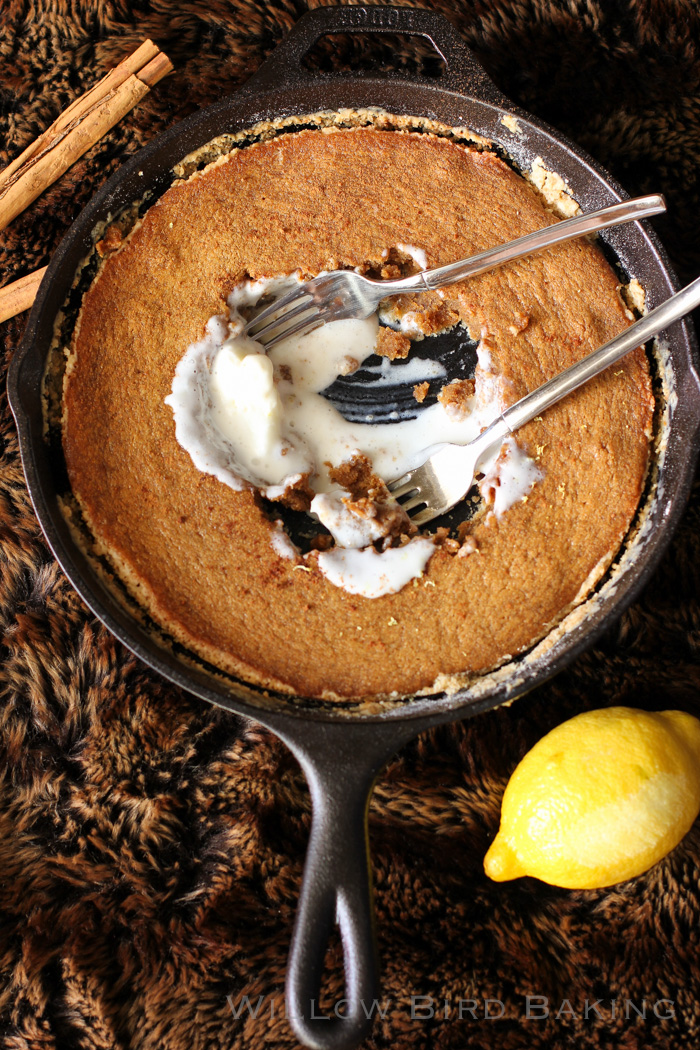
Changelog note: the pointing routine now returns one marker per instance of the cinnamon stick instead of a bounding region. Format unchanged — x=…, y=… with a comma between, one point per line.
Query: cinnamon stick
x=78, y=128
x=19, y=296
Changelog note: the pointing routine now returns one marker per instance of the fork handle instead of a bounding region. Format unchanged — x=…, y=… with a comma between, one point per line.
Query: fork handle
x=555, y=389
x=591, y=222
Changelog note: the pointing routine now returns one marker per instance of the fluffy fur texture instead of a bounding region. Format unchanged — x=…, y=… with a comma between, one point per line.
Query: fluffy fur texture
x=151, y=847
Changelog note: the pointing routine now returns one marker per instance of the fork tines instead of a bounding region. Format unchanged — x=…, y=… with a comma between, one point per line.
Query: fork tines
x=407, y=494
x=277, y=320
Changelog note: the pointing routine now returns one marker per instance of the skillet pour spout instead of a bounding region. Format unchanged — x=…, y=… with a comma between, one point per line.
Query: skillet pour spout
x=342, y=749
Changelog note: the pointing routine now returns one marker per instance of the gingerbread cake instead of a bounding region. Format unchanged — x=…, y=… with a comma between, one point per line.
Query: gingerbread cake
x=210, y=554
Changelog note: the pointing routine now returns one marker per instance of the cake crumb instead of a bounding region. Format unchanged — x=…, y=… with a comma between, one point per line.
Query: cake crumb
x=111, y=241
x=511, y=123
x=420, y=392
x=299, y=494
x=391, y=272
x=356, y=476
x=392, y=344
x=445, y=541
x=455, y=397
x=321, y=542
x=370, y=498
x=392, y=622
x=348, y=365
x=633, y=296
x=520, y=322
x=426, y=313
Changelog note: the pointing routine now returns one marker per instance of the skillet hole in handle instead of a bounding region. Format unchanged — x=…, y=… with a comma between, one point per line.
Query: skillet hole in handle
x=336, y=889
x=462, y=73
x=341, y=762
x=322, y=1021
x=372, y=54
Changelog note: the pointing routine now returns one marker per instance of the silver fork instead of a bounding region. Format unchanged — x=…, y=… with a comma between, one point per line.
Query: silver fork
x=448, y=474
x=341, y=294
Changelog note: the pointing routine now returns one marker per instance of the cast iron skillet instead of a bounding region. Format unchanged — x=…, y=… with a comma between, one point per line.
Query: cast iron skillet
x=341, y=752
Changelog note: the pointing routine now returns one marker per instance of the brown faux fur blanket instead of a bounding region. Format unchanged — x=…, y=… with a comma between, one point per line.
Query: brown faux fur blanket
x=151, y=847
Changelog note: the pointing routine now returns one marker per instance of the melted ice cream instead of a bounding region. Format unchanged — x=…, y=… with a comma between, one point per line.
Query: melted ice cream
x=347, y=528
x=259, y=419
x=510, y=478
x=371, y=574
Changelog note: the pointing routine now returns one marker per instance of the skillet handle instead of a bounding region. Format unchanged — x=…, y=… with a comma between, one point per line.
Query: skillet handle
x=341, y=762
x=463, y=74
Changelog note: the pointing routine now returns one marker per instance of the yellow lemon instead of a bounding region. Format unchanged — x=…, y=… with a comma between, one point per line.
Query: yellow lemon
x=600, y=799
